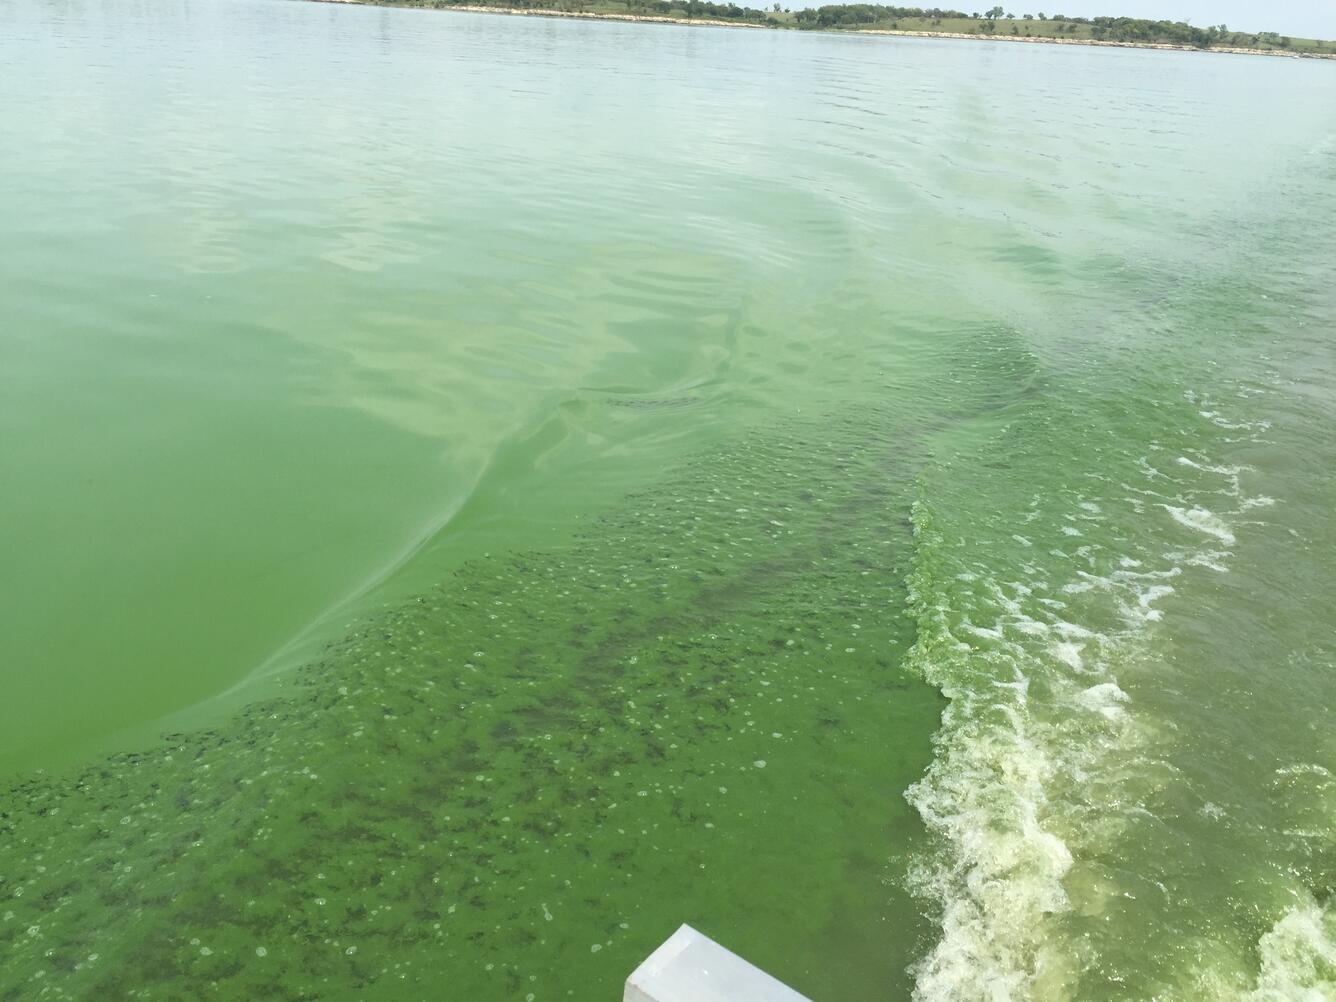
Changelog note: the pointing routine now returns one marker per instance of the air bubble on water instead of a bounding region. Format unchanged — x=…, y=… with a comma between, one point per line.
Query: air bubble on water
x=260, y=951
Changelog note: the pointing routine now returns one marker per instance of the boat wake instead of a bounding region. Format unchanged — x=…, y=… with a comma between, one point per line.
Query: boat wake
x=1032, y=615
x=1299, y=957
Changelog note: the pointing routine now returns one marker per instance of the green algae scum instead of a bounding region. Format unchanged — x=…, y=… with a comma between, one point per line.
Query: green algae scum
x=539, y=762
x=482, y=492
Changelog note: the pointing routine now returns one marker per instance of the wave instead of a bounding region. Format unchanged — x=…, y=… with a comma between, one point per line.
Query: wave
x=1043, y=756
x=1298, y=957
x=988, y=794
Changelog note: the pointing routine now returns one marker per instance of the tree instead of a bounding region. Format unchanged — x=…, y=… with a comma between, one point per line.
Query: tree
x=995, y=13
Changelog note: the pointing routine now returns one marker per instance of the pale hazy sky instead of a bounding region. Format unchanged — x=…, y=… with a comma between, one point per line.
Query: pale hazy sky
x=1307, y=18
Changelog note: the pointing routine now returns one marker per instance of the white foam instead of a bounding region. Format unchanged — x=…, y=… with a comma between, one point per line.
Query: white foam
x=1036, y=718
x=1153, y=594
x=999, y=880
x=1298, y=957
x=1211, y=559
x=984, y=632
x=1069, y=654
x=1106, y=699
x=1072, y=630
x=1231, y=473
x=1207, y=467
x=1202, y=520
x=1220, y=421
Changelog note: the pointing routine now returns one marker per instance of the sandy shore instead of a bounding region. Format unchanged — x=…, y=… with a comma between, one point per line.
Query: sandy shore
x=660, y=19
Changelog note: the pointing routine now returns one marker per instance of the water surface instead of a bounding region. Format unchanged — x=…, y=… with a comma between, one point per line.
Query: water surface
x=551, y=481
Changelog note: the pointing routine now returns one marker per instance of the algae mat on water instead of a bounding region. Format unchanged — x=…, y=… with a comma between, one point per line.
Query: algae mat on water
x=516, y=785
x=320, y=312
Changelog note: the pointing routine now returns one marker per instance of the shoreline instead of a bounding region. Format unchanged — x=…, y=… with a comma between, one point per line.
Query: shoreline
x=716, y=23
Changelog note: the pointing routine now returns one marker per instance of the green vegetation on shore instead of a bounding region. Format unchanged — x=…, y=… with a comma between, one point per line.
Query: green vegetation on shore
x=995, y=22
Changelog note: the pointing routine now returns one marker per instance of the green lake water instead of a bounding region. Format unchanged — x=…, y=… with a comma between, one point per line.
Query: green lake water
x=480, y=492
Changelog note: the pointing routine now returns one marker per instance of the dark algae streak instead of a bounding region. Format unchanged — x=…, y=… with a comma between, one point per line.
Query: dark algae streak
x=516, y=784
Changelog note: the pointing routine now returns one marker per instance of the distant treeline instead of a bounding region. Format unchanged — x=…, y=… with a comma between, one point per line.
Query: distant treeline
x=919, y=19
x=703, y=9
x=867, y=13
x=1112, y=29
